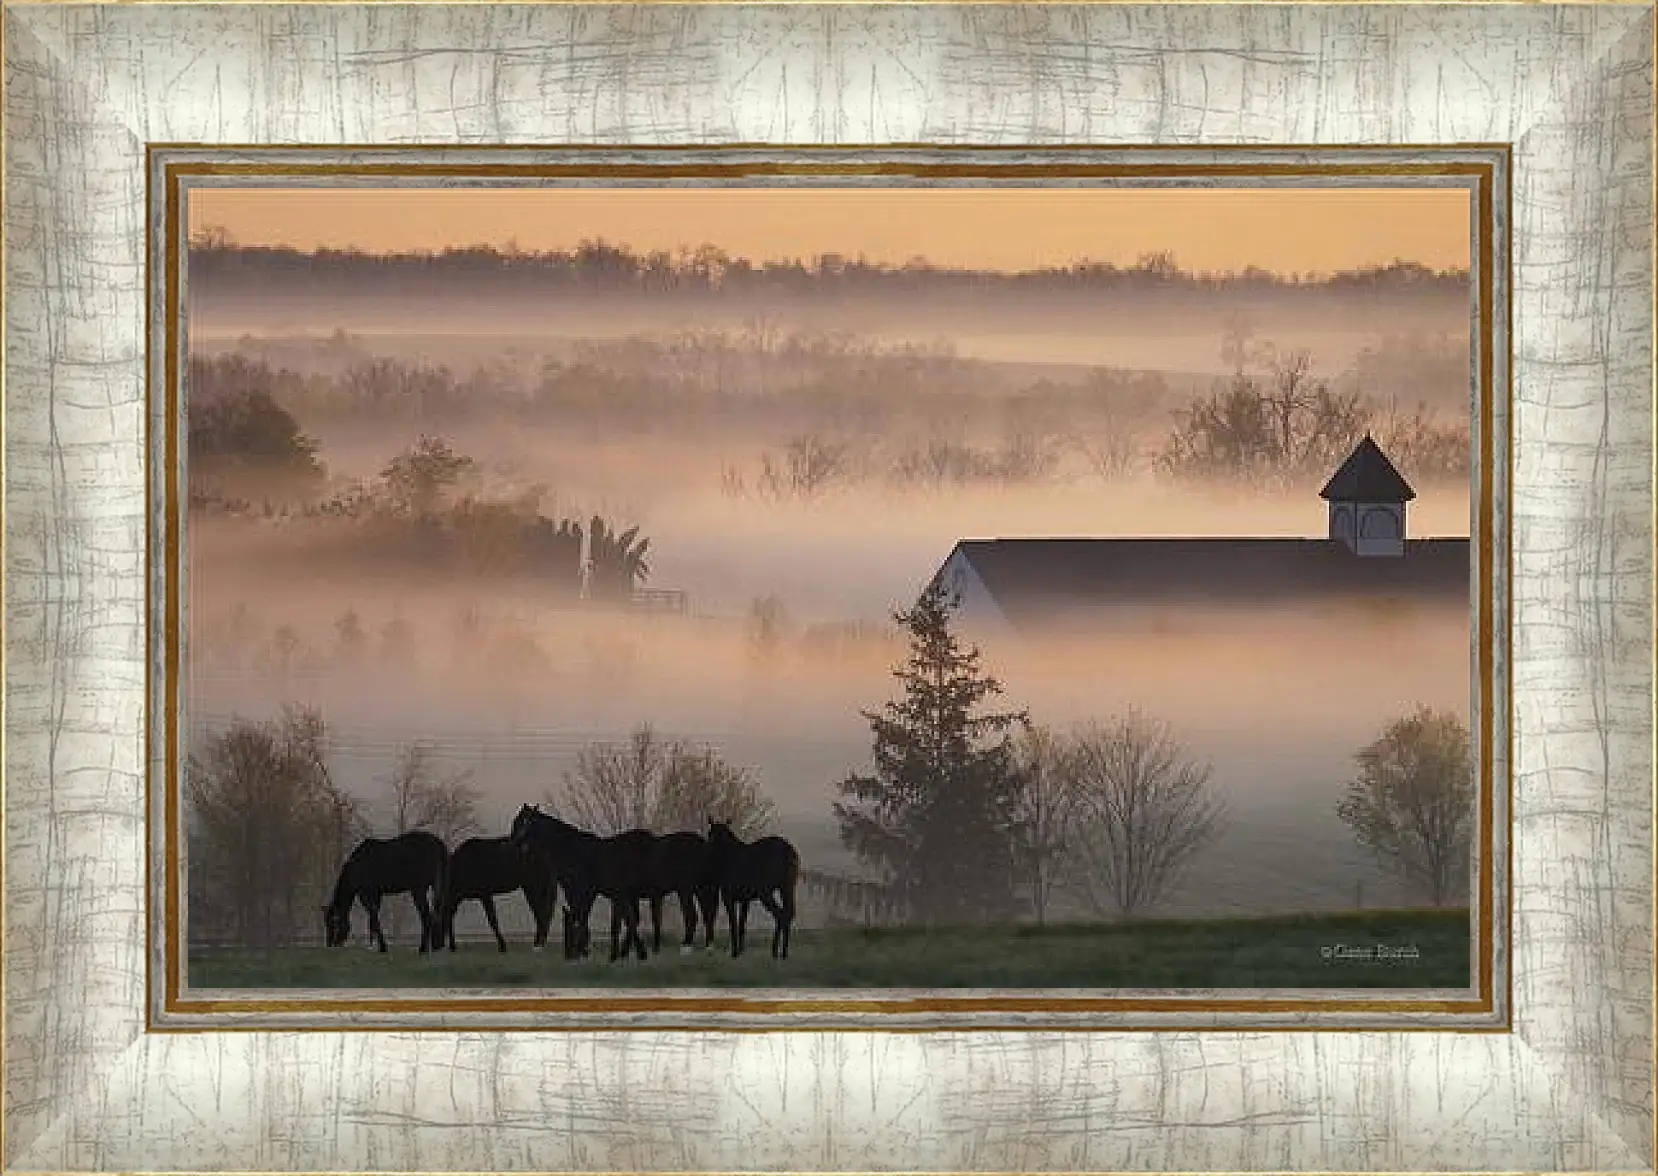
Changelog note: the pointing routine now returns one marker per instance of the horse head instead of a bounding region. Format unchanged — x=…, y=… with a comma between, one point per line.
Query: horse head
x=533, y=829
x=336, y=925
x=521, y=824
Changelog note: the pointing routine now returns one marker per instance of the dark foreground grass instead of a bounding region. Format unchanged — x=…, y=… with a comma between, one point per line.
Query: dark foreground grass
x=1298, y=951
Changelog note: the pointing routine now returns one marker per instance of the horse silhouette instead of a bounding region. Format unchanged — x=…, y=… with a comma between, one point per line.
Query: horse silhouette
x=587, y=866
x=682, y=865
x=767, y=870
x=660, y=865
x=623, y=862
x=416, y=864
x=483, y=867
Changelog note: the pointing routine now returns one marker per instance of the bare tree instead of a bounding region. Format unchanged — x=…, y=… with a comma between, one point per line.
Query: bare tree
x=1139, y=809
x=1238, y=348
x=699, y=786
x=1161, y=264
x=211, y=237
x=811, y=465
x=1280, y=423
x=266, y=824
x=1042, y=760
x=1028, y=454
x=1412, y=802
x=350, y=639
x=761, y=334
x=664, y=785
x=420, y=798
x=767, y=623
x=1110, y=451
x=1225, y=434
x=1316, y=426
x=1424, y=442
x=1114, y=409
x=283, y=655
x=1290, y=397
x=732, y=482
x=397, y=642
x=613, y=786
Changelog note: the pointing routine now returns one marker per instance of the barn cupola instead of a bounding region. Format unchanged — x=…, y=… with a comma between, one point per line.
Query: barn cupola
x=1367, y=498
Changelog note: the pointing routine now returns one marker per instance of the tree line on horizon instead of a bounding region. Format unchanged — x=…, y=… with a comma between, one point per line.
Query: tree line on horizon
x=597, y=264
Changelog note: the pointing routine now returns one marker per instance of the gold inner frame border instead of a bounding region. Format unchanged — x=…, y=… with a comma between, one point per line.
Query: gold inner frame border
x=979, y=163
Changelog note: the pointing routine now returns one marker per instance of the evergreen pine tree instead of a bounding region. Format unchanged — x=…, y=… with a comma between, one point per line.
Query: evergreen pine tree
x=939, y=813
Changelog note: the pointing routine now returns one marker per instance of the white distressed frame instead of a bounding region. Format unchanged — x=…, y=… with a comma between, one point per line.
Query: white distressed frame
x=87, y=1089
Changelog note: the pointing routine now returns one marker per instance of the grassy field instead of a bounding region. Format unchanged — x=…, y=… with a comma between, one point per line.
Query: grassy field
x=1299, y=951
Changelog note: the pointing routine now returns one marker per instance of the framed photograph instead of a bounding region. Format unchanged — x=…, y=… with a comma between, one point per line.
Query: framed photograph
x=553, y=631
x=1059, y=599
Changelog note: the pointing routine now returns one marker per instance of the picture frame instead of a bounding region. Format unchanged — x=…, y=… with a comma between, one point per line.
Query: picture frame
x=96, y=1082
x=176, y=173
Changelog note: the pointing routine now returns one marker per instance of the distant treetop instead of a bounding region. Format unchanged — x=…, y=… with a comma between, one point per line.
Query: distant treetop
x=599, y=264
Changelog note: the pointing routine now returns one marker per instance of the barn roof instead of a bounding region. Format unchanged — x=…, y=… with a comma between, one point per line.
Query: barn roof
x=1367, y=476
x=1030, y=578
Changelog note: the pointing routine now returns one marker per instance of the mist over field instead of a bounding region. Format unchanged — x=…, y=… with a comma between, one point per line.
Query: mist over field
x=1150, y=318
x=1278, y=703
x=1131, y=336
x=824, y=456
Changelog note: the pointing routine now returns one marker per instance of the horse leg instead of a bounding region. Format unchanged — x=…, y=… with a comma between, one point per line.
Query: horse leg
x=582, y=914
x=446, y=921
x=543, y=912
x=632, y=916
x=788, y=918
x=428, y=925
x=687, y=916
x=625, y=931
x=577, y=903
x=731, y=926
x=775, y=909
x=742, y=927
x=656, y=922
x=709, y=901
x=375, y=934
x=571, y=945
x=488, y=901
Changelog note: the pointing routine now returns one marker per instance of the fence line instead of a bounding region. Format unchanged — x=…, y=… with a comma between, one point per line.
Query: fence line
x=667, y=600
x=872, y=903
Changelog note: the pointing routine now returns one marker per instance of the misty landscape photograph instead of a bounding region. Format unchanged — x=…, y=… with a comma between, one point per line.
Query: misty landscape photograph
x=853, y=588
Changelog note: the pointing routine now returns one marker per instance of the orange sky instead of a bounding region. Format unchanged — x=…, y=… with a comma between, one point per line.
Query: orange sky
x=1282, y=229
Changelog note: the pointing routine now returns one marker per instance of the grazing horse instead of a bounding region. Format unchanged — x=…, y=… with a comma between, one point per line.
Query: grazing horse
x=414, y=864
x=682, y=865
x=767, y=870
x=624, y=860
x=587, y=866
x=483, y=867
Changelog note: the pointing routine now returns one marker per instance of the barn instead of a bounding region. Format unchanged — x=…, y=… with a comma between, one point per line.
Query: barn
x=1019, y=585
